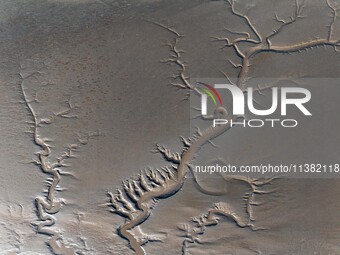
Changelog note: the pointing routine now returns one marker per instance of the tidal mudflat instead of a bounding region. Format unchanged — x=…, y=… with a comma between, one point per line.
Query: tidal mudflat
x=99, y=137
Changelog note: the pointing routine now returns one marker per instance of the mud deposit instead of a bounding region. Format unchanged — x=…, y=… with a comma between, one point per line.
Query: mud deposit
x=99, y=138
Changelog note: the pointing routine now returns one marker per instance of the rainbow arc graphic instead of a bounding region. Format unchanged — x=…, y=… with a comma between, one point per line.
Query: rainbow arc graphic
x=211, y=92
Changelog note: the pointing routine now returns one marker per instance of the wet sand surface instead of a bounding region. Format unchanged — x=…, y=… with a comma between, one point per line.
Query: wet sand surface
x=88, y=101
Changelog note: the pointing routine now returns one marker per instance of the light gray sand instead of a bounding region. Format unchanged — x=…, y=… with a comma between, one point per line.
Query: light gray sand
x=87, y=81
